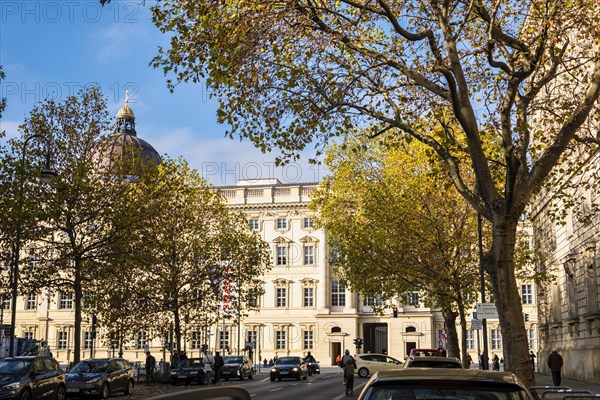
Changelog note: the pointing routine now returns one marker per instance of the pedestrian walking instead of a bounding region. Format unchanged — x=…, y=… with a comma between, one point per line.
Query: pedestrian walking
x=349, y=366
x=532, y=356
x=265, y=363
x=209, y=362
x=469, y=361
x=495, y=362
x=219, y=362
x=150, y=365
x=555, y=363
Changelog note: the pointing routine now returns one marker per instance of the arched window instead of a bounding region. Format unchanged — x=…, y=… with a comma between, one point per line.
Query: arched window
x=410, y=329
x=336, y=329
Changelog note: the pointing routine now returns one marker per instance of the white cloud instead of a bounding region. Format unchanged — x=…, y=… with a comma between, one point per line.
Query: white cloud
x=119, y=41
x=11, y=128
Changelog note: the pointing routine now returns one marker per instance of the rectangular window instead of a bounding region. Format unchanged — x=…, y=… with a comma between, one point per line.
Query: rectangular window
x=281, y=300
x=61, y=340
x=338, y=294
x=6, y=304
x=280, y=340
x=141, y=339
x=87, y=340
x=527, y=294
x=251, y=337
x=252, y=299
x=309, y=297
x=223, y=339
x=308, y=222
x=196, y=299
x=373, y=301
x=496, y=339
x=281, y=223
x=531, y=340
x=28, y=335
x=195, y=340
x=471, y=339
x=281, y=255
x=412, y=298
x=253, y=224
x=309, y=255
x=66, y=301
x=31, y=302
x=309, y=340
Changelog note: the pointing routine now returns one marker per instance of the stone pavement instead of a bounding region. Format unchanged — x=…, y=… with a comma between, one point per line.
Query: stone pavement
x=546, y=380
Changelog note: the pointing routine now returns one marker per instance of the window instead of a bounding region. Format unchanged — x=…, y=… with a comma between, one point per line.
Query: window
x=33, y=261
x=412, y=298
x=531, y=338
x=281, y=223
x=281, y=255
x=281, y=300
x=66, y=301
x=6, y=304
x=338, y=294
x=195, y=340
x=309, y=297
x=372, y=301
x=28, y=335
x=251, y=337
x=61, y=340
x=253, y=224
x=252, y=299
x=87, y=340
x=141, y=339
x=196, y=295
x=527, y=294
x=223, y=339
x=280, y=340
x=309, y=339
x=496, y=339
x=309, y=255
x=31, y=302
x=308, y=223
x=470, y=339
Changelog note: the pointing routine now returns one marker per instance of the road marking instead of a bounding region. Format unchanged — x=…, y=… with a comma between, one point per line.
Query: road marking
x=355, y=389
x=253, y=394
x=276, y=389
x=264, y=380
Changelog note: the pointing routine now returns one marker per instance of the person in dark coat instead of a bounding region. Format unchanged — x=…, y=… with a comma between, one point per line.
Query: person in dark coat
x=532, y=356
x=219, y=362
x=150, y=365
x=555, y=363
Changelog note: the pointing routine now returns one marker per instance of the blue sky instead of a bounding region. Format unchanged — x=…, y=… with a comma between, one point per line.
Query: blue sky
x=54, y=48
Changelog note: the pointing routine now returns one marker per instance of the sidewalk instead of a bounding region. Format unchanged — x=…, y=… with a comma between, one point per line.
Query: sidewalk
x=546, y=380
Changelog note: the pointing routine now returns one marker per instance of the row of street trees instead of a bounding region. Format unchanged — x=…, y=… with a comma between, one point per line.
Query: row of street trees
x=139, y=245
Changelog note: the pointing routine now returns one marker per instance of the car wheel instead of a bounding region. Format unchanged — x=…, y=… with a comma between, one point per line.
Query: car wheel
x=173, y=383
x=363, y=372
x=25, y=395
x=272, y=379
x=279, y=379
x=60, y=393
x=130, y=388
x=105, y=391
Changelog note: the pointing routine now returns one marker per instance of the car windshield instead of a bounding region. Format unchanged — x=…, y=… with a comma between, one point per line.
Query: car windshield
x=14, y=366
x=454, y=390
x=90, y=366
x=191, y=363
x=288, y=360
x=232, y=360
x=434, y=364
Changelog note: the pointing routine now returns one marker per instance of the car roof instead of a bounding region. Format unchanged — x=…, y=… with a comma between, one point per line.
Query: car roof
x=447, y=374
x=24, y=358
x=434, y=358
x=373, y=354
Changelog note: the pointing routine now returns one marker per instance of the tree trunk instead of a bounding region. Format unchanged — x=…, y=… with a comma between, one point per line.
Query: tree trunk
x=463, y=332
x=177, y=320
x=499, y=263
x=451, y=333
x=78, y=299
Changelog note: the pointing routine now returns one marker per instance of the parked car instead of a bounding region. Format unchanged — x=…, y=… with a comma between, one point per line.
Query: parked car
x=289, y=367
x=31, y=377
x=432, y=362
x=444, y=384
x=101, y=377
x=238, y=367
x=426, y=353
x=367, y=364
x=190, y=370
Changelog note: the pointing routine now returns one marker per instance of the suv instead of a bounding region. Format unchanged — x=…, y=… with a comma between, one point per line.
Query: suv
x=367, y=364
x=31, y=377
x=238, y=367
x=444, y=384
x=432, y=362
x=101, y=377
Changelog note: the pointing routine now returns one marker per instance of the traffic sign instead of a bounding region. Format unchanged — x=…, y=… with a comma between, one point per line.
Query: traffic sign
x=487, y=311
x=476, y=324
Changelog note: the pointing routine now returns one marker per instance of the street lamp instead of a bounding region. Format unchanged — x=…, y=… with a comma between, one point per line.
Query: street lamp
x=47, y=174
x=484, y=356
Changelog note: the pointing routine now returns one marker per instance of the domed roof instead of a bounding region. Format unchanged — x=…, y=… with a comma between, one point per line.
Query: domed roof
x=126, y=111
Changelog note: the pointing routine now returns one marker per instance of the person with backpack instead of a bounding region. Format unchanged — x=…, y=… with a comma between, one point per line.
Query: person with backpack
x=219, y=362
x=349, y=366
x=209, y=363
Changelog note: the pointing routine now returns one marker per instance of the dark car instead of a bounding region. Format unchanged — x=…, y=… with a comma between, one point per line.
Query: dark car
x=31, y=377
x=289, y=367
x=432, y=362
x=444, y=384
x=101, y=377
x=190, y=370
x=236, y=367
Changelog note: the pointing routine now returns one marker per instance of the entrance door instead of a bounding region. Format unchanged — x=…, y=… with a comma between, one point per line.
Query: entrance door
x=336, y=350
x=410, y=346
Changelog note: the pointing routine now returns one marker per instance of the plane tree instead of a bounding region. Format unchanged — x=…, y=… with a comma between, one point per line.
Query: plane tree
x=396, y=229
x=288, y=74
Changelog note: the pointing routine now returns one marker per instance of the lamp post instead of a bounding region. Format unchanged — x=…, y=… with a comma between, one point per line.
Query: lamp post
x=484, y=356
x=47, y=175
